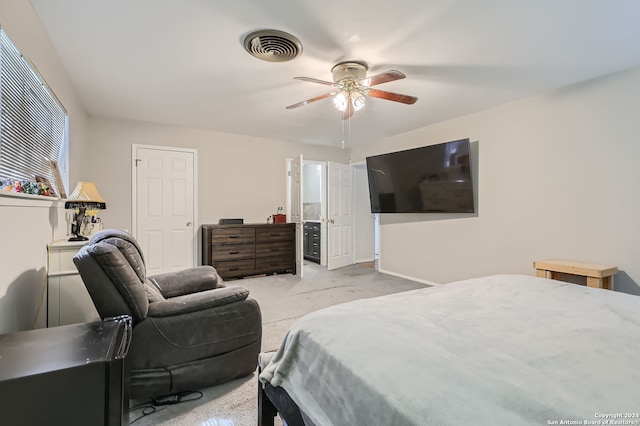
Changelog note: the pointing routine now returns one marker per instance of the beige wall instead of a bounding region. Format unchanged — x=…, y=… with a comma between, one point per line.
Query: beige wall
x=28, y=226
x=365, y=242
x=558, y=177
x=238, y=176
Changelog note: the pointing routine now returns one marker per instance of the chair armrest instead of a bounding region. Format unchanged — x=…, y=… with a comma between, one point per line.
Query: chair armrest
x=187, y=281
x=197, y=301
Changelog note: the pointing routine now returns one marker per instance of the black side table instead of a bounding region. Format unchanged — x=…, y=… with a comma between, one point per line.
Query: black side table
x=71, y=375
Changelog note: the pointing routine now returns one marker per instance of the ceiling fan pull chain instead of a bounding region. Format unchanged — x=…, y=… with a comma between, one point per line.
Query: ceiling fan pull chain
x=349, y=133
x=342, y=133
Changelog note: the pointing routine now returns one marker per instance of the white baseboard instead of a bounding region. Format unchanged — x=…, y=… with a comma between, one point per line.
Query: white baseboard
x=409, y=278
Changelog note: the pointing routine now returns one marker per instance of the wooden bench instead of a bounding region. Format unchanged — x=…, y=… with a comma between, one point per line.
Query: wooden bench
x=600, y=276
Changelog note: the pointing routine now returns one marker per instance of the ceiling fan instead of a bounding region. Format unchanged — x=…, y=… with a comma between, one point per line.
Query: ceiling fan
x=352, y=86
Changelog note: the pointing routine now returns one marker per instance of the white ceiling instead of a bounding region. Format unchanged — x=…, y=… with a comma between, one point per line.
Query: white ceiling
x=182, y=62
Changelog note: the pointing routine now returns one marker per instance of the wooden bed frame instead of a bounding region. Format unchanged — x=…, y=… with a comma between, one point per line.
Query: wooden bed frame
x=273, y=401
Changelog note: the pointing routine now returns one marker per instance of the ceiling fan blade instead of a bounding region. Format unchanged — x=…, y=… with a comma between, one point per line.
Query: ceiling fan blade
x=315, y=80
x=384, y=77
x=308, y=101
x=390, y=96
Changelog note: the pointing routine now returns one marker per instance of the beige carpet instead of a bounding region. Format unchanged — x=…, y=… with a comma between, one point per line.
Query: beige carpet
x=283, y=299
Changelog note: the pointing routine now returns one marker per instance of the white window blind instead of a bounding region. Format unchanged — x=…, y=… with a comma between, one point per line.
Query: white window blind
x=33, y=124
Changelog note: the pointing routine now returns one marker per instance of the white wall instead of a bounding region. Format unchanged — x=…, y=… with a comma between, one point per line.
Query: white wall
x=27, y=226
x=365, y=241
x=239, y=176
x=31, y=224
x=558, y=177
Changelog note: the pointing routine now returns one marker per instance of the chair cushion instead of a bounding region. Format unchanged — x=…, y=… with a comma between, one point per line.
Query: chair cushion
x=187, y=281
x=126, y=279
x=197, y=301
x=127, y=245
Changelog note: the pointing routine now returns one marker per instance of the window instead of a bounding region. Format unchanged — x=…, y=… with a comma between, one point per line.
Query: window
x=33, y=124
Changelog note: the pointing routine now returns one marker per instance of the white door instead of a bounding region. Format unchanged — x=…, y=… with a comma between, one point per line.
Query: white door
x=340, y=216
x=164, y=206
x=296, y=211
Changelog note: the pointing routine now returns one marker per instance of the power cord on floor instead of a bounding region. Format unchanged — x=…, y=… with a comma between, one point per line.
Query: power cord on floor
x=175, y=398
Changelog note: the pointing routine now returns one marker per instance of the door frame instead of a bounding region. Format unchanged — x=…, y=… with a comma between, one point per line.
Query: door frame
x=134, y=192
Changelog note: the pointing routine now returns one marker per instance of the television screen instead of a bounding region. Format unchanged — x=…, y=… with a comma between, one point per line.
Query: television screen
x=430, y=179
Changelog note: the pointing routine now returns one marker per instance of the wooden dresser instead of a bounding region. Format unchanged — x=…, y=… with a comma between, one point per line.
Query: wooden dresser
x=250, y=249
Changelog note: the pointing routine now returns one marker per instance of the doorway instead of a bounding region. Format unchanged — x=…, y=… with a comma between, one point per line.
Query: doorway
x=314, y=210
x=330, y=206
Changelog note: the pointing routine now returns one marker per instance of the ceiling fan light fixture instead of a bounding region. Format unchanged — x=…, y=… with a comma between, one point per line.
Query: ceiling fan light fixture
x=358, y=101
x=341, y=100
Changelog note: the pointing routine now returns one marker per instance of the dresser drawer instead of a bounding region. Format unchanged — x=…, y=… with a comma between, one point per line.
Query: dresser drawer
x=314, y=248
x=274, y=264
x=235, y=268
x=275, y=233
x=274, y=248
x=234, y=235
x=233, y=252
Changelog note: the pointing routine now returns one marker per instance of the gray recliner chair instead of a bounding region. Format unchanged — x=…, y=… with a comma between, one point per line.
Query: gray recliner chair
x=189, y=330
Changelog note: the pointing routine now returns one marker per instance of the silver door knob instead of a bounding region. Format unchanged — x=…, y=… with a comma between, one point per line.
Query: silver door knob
x=188, y=223
x=331, y=221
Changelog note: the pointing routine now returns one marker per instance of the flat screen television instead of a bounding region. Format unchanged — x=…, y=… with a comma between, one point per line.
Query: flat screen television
x=430, y=179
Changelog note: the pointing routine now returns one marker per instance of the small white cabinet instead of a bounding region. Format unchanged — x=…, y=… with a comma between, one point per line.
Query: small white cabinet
x=68, y=301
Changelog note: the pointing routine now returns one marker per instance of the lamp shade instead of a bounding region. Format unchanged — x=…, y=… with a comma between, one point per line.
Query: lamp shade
x=85, y=195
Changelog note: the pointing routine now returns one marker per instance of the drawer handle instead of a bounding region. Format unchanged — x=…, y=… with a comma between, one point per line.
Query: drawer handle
x=234, y=236
x=234, y=269
x=274, y=264
x=234, y=252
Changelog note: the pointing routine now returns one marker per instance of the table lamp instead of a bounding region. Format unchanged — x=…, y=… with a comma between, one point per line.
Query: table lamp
x=85, y=196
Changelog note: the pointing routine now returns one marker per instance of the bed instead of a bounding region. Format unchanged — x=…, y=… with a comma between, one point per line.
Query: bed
x=503, y=349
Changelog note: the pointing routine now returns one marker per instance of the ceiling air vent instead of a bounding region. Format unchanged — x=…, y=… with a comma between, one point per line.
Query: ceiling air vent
x=272, y=45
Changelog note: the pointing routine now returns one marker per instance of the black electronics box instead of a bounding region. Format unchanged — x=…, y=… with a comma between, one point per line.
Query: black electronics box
x=230, y=221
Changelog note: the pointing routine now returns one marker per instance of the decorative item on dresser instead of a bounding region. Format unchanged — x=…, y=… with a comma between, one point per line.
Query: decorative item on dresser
x=250, y=249
x=311, y=241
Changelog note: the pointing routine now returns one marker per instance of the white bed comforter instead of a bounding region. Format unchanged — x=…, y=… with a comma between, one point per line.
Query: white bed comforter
x=503, y=350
